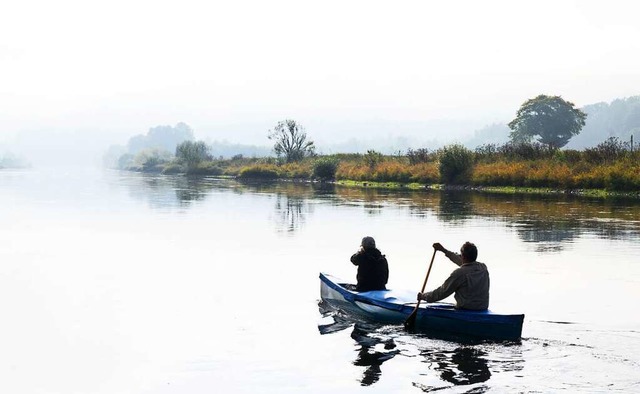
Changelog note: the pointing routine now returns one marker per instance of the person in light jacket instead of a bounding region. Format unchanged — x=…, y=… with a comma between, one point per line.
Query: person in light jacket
x=469, y=282
x=373, y=269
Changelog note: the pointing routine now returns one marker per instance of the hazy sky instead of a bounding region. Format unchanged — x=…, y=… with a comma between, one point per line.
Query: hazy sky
x=232, y=69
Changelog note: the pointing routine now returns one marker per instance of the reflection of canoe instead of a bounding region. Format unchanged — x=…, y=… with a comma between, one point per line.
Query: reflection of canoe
x=394, y=306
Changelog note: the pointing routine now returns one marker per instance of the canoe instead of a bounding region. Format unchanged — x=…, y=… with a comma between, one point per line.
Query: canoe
x=395, y=306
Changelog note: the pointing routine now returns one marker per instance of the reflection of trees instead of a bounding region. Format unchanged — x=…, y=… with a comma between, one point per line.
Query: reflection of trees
x=455, y=207
x=549, y=221
x=172, y=191
x=547, y=235
x=163, y=192
x=189, y=189
x=292, y=201
x=291, y=212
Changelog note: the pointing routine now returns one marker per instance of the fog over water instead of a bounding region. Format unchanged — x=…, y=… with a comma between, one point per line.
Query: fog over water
x=77, y=77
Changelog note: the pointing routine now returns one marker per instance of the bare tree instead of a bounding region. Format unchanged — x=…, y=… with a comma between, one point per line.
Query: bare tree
x=290, y=141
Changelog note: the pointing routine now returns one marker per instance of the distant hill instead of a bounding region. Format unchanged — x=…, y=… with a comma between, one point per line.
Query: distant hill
x=620, y=118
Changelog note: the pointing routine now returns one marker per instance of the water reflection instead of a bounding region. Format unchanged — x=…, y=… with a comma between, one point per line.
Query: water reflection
x=369, y=354
x=373, y=349
x=461, y=366
x=457, y=363
x=292, y=202
x=291, y=212
x=548, y=222
x=455, y=208
x=168, y=191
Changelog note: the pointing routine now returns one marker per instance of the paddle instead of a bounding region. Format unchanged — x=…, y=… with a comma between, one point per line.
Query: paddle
x=410, y=323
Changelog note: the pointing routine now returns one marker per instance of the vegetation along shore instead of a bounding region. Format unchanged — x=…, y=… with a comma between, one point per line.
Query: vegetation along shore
x=532, y=161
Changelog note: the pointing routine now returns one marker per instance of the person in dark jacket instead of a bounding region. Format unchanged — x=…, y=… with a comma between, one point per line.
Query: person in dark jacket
x=470, y=282
x=373, y=269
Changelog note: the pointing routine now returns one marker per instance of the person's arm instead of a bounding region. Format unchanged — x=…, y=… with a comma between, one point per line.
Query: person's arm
x=454, y=257
x=355, y=259
x=453, y=282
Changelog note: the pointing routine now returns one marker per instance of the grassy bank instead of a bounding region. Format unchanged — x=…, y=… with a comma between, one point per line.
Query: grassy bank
x=605, y=170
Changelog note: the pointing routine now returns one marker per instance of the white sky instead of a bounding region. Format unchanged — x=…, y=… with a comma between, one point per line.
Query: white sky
x=232, y=69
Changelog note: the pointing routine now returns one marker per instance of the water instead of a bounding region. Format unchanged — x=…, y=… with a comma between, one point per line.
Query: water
x=115, y=282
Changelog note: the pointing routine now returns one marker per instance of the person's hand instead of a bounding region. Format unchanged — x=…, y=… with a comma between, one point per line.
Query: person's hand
x=421, y=296
x=439, y=247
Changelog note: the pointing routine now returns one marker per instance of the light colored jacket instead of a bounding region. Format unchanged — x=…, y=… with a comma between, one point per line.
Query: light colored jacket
x=470, y=283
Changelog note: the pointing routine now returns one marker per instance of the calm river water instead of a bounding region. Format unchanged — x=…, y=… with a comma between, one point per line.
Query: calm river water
x=116, y=282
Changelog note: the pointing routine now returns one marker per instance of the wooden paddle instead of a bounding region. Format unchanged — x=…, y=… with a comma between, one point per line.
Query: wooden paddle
x=410, y=323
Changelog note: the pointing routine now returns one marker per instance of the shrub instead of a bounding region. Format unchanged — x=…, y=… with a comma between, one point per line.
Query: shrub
x=525, y=151
x=373, y=158
x=417, y=156
x=325, y=168
x=259, y=171
x=173, y=168
x=295, y=170
x=487, y=152
x=568, y=156
x=623, y=176
x=605, y=152
x=204, y=168
x=151, y=160
x=456, y=164
x=193, y=152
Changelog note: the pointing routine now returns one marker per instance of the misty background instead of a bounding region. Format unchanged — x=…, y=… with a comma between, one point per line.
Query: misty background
x=78, y=77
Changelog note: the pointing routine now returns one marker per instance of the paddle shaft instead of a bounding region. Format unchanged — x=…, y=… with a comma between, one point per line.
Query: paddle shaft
x=412, y=318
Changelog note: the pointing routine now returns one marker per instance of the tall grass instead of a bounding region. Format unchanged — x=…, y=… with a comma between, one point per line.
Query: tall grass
x=623, y=175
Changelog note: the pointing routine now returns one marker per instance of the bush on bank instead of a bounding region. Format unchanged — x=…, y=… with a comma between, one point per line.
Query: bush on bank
x=456, y=164
x=259, y=171
x=325, y=168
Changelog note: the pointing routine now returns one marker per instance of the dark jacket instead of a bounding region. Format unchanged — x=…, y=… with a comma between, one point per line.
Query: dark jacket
x=470, y=282
x=373, y=270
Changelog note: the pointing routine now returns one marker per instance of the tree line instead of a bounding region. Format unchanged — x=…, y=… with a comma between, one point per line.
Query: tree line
x=531, y=157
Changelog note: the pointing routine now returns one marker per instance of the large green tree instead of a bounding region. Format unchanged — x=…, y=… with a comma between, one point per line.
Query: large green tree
x=290, y=141
x=553, y=120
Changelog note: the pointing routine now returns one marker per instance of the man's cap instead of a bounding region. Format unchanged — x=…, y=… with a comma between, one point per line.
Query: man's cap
x=368, y=242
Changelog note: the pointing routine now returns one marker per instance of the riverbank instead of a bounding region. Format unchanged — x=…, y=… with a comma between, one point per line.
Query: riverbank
x=593, y=193
x=282, y=174
x=607, y=170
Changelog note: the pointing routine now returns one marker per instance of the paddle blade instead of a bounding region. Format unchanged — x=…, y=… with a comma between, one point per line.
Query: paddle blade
x=410, y=323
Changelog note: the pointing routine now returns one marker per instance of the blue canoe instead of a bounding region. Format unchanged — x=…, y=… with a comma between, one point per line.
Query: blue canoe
x=395, y=306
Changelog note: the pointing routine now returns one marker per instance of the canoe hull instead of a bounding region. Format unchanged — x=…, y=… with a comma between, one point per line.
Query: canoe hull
x=394, y=307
